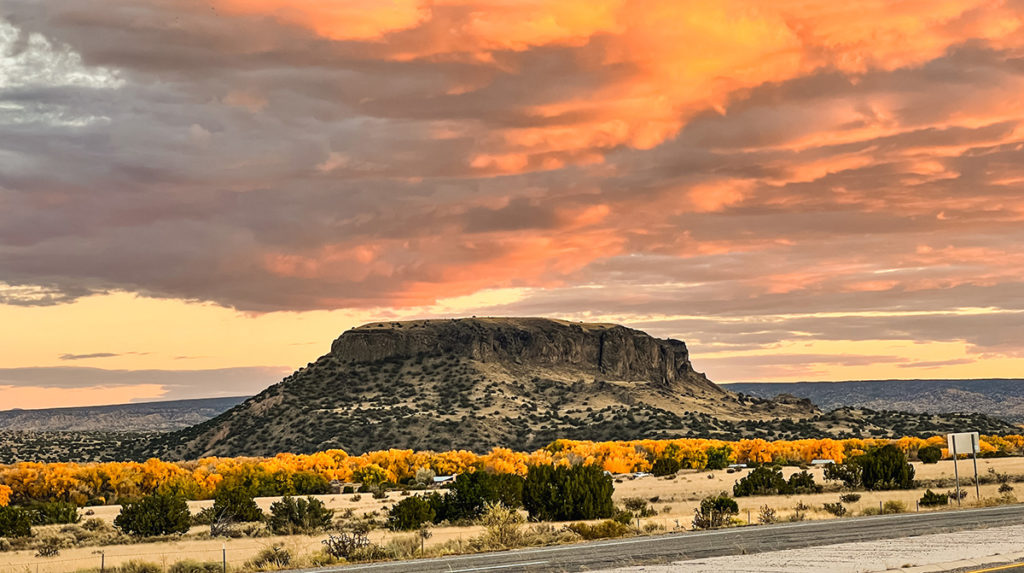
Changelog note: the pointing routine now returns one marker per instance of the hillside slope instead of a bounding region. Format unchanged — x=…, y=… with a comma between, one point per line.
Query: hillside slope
x=477, y=384
x=1002, y=398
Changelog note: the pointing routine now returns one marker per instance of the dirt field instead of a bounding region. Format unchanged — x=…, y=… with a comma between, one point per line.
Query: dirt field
x=676, y=499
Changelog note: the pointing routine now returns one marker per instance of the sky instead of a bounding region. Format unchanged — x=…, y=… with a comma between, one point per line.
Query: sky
x=196, y=198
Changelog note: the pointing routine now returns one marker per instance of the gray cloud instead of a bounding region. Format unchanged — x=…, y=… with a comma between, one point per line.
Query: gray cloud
x=177, y=384
x=179, y=152
x=87, y=356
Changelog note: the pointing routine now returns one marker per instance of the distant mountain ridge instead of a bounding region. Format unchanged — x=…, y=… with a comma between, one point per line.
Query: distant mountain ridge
x=998, y=397
x=140, y=417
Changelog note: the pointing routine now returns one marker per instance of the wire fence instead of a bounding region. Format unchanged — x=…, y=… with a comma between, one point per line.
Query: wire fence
x=229, y=556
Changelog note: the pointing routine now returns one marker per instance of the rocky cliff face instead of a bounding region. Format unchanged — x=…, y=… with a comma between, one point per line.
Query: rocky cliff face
x=606, y=351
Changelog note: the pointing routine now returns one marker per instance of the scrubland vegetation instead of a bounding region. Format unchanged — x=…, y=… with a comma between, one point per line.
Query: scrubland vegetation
x=569, y=491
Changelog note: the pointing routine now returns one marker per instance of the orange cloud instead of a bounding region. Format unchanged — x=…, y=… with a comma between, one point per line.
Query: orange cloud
x=336, y=19
x=661, y=61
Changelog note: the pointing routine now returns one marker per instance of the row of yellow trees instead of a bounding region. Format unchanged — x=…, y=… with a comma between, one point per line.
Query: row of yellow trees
x=113, y=482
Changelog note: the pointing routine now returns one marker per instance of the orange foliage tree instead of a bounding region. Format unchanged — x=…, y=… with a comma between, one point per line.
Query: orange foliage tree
x=114, y=482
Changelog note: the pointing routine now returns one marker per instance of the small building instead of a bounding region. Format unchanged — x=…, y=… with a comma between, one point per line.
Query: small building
x=338, y=486
x=822, y=462
x=737, y=466
x=441, y=480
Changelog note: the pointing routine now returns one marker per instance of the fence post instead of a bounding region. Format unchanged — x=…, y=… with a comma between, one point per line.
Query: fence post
x=103, y=561
x=224, y=556
x=879, y=507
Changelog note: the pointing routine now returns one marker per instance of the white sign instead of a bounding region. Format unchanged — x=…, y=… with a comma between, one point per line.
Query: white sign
x=963, y=443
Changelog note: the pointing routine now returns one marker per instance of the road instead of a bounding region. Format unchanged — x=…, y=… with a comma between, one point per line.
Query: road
x=670, y=547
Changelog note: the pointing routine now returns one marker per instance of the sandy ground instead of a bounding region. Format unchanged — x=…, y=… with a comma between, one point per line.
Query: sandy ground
x=676, y=500
x=936, y=552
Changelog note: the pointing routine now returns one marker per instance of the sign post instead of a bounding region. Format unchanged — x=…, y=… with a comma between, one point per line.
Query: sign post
x=962, y=443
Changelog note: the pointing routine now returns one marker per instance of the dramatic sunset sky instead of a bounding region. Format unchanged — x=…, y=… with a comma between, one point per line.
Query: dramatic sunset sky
x=196, y=197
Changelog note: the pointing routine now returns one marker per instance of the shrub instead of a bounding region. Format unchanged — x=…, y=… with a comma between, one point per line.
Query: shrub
x=410, y=513
x=956, y=494
x=291, y=515
x=48, y=547
x=849, y=474
x=193, y=566
x=425, y=476
x=471, y=492
x=48, y=513
x=502, y=526
x=563, y=494
x=765, y=480
x=605, y=529
x=157, y=514
x=930, y=454
x=205, y=516
x=932, y=499
x=665, y=466
x=885, y=468
x=894, y=506
x=274, y=556
x=836, y=509
x=767, y=516
x=849, y=497
x=638, y=507
x=139, y=567
x=236, y=504
x=718, y=458
x=803, y=482
x=1005, y=488
x=356, y=497
x=346, y=544
x=15, y=522
x=714, y=511
x=348, y=489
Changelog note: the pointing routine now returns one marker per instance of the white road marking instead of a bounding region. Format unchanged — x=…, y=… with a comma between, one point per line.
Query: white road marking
x=522, y=564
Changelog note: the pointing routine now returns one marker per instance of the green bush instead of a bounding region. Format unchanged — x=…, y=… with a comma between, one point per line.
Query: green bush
x=932, y=499
x=471, y=492
x=885, y=468
x=803, y=482
x=15, y=522
x=849, y=474
x=564, y=494
x=49, y=513
x=665, y=466
x=930, y=454
x=849, y=497
x=410, y=513
x=836, y=509
x=235, y=504
x=714, y=511
x=291, y=515
x=718, y=458
x=157, y=514
x=765, y=480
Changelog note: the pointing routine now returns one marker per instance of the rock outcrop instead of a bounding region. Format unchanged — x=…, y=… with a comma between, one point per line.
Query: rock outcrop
x=479, y=383
x=606, y=351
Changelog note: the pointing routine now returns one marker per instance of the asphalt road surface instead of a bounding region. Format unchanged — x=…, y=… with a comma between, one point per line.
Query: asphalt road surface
x=670, y=547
